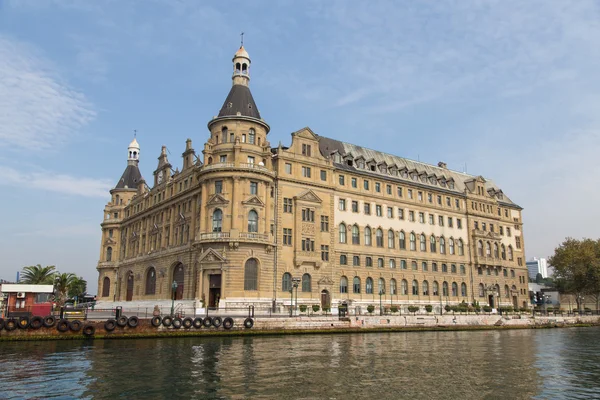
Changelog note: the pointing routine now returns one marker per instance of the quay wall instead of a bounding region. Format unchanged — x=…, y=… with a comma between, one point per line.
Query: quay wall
x=313, y=324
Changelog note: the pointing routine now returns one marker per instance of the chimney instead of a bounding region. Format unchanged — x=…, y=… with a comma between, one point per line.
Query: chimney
x=442, y=164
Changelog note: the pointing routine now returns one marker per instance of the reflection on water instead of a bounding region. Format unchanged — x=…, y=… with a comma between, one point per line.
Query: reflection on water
x=519, y=364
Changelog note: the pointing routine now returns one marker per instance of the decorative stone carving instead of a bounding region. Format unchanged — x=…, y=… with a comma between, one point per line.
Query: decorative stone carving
x=309, y=196
x=308, y=228
x=325, y=281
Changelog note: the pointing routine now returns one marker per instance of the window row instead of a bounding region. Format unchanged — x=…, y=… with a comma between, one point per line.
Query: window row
x=392, y=263
x=495, y=290
x=415, y=289
x=496, y=271
x=227, y=136
x=497, y=252
x=483, y=226
x=217, y=220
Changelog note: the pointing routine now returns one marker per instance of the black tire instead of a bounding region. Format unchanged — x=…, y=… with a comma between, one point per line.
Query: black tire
x=198, y=322
x=217, y=321
x=133, y=322
x=248, y=323
x=10, y=324
x=156, y=321
x=23, y=323
x=89, y=330
x=207, y=322
x=49, y=321
x=177, y=322
x=167, y=321
x=110, y=325
x=75, y=325
x=228, y=323
x=1, y=323
x=122, y=321
x=188, y=323
x=62, y=325
x=36, y=322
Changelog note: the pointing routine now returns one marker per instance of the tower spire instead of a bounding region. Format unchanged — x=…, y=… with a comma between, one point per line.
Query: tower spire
x=133, y=150
x=241, y=65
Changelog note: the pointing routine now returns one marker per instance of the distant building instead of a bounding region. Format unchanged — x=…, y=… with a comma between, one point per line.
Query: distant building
x=537, y=266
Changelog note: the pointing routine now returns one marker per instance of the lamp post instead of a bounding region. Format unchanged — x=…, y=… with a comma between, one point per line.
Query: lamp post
x=295, y=283
x=174, y=287
x=381, y=293
x=580, y=299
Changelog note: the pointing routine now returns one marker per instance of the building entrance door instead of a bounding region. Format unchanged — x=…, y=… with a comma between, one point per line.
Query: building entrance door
x=325, y=300
x=129, y=295
x=491, y=301
x=515, y=303
x=214, y=291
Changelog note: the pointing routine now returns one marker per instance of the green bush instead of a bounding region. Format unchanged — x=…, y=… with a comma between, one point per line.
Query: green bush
x=394, y=309
x=524, y=309
x=487, y=308
x=447, y=308
x=550, y=309
x=302, y=307
x=315, y=307
x=370, y=309
x=326, y=309
x=413, y=309
x=428, y=308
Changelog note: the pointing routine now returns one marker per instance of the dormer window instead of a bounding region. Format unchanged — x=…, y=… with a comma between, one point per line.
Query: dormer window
x=451, y=184
x=372, y=168
x=306, y=150
x=337, y=158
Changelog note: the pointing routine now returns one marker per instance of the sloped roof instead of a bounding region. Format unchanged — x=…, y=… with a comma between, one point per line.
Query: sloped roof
x=130, y=178
x=239, y=100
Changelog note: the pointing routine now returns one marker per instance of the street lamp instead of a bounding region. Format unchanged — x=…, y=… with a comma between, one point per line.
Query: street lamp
x=580, y=299
x=174, y=287
x=381, y=293
x=295, y=283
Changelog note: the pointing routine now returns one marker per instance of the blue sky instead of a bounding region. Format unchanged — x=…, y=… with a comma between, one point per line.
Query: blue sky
x=508, y=88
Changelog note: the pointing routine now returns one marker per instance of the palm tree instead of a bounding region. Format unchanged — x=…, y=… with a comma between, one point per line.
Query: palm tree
x=63, y=282
x=78, y=287
x=38, y=275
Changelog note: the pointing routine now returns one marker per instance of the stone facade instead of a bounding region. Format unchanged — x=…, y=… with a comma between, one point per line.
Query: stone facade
x=322, y=221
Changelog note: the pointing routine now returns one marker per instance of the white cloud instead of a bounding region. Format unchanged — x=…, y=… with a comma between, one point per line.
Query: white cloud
x=39, y=111
x=53, y=182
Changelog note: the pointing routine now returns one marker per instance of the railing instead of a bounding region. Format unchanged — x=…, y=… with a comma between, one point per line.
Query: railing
x=253, y=166
x=214, y=235
x=255, y=236
x=216, y=166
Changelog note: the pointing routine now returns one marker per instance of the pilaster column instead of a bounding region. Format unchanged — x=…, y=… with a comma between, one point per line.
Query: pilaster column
x=267, y=229
x=203, y=196
x=234, y=200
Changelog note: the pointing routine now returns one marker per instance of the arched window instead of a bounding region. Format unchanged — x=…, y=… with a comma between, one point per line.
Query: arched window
x=367, y=236
x=224, y=134
x=217, y=220
x=462, y=269
x=238, y=67
x=415, y=288
x=286, y=282
x=453, y=268
x=413, y=240
x=391, y=239
x=106, y=286
x=251, y=274
x=423, y=241
x=461, y=249
x=392, y=263
x=413, y=265
x=306, y=285
x=369, y=285
x=252, y=221
x=109, y=254
x=402, y=240
x=451, y=245
x=488, y=249
x=404, y=287
x=506, y=291
x=356, y=285
x=481, y=290
x=151, y=281
x=432, y=244
x=503, y=252
x=342, y=233
x=251, y=136
x=343, y=284
x=425, y=288
x=343, y=259
x=510, y=253
x=379, y=237
x=463, y=289
x=480, y=248
x=442, y=245
x=445, y=289
x=435, y=289
x=496, y=252
x=244, y=68
x=355, y=235
x=381, y=286
x=393, y=289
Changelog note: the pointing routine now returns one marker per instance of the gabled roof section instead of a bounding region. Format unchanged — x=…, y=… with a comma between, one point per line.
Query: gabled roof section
x=239, y=100
x=130, y=178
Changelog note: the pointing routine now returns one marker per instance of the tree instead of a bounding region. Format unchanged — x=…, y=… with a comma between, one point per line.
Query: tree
x=63, y=282
x=539, y=279
x=78, y=287
x=38, y=275
x=577, y=267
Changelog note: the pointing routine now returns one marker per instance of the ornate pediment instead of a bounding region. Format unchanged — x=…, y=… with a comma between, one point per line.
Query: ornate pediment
x=325, y=281
x=306, y=133
x=217, y=199
x=254, y=201
x=309, y=196
x=211, y=255
x=110, y=241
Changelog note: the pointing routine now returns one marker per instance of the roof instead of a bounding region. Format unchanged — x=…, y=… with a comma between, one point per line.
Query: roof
x=18, y=287
x=242, y=53
x=239, y=100
x=130, y=178
x=428, y=175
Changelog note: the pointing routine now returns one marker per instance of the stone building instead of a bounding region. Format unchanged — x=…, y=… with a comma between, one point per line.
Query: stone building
x=245, y=223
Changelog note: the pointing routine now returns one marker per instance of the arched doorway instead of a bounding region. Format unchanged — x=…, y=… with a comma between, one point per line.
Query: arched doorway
x=129, y=295
x=178, y=276
x=325, y=300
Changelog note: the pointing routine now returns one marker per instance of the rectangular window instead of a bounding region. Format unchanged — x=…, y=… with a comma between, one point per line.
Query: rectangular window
x=420, y=196
x=306, y=172
x=429, y=197
x=457, y=203
x=410, y=194
x=501, y=230
x=306, y=150
x=519, y=261
x=507, y=230
x=367, y=208
x=388, y=189
x=422, y=217
x=399, y=191
x=342, y=204
x=354, y=206
x=287, y=205
x=434, y=267
x=110, y=233
x=448, y=202
x=476, y=225
x=390, y=212
x=253, y=187
x=450, y=222
x=354, y=183
x=308, y=245
x=366, y=184
x=251, y=160
x=377, y=187
x=288, y=168
x=308, y=215
x=323, y=175
x=400, y=213
x=356, y=261
x=483, y=226
x=431, y=219
x=439, y=200
x=378, y=211
x=287, y=237
x=218, y=186
x=411, y=216
x=491, y=227
x=223, y=159
x=324, y=253
x=342, y=179
x=324, y=223
x=440, y=220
